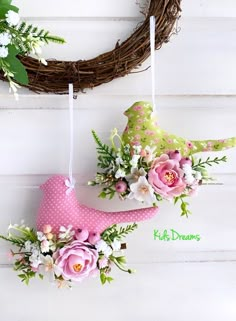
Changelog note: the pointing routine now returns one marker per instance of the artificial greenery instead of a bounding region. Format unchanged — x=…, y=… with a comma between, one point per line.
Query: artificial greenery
x=113, y=232
x=123, y=165
x=19, y=39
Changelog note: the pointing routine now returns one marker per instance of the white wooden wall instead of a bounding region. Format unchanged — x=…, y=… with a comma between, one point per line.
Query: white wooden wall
x=196, y=97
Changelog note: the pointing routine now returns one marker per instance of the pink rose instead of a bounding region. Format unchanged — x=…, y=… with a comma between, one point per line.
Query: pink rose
x=166, y=177
x=76, y=261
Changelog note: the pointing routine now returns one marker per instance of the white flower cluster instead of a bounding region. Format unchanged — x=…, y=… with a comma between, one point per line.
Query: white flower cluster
x=35, y=258
x=141, y=190
x=12, y=18
x=190, y=175
x=106, y=249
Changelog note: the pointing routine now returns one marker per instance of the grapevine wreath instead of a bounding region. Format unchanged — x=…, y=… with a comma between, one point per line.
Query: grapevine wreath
x=120, y=61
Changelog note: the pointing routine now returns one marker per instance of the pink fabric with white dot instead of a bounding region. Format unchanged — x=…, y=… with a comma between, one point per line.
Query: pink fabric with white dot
x=59, y=209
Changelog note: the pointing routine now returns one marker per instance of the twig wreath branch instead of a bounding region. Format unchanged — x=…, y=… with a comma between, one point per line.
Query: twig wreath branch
x=120, y=61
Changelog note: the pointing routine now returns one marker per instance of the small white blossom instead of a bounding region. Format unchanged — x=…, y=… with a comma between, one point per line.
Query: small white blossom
x=120, y=173
x=45, y=246
x=52, y=246
x=3, y=52
x=41, y=237
x=188, y=174
x=134, y=161
x=135, y=174
x=66, y=233
x=5, y=38
x=35, y=259
x=142, y=191
x=28, y=246
x=107, y=252
x=198, y=175
x=103, y=247
x=137, y=149
x=150, y=154
x=187, y=168
x=49, y=267
x=12, y=18
x=116, y=245
x=119, y=160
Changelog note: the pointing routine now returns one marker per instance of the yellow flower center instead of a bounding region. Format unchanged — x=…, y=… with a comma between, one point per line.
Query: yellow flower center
x=143, y=189
x=77, y=267
x=170, y=177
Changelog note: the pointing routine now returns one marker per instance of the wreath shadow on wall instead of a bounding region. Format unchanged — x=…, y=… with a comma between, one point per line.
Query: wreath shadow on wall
x=120, y=61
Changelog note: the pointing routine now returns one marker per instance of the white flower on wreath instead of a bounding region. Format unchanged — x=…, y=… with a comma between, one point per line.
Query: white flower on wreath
x=120, y=173
x=142, y=191
x=116, y=245
x=3, y=52
x=150, y=154
x=135, y=174
x=103, y=247
x=5, y=38
x=12, y=18
x=134, y=161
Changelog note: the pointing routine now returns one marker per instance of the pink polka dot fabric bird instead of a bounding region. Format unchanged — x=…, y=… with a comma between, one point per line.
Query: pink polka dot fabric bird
x=59, y=208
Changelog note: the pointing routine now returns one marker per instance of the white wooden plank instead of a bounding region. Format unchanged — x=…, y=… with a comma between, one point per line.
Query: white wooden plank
x=94, y=101
x=109, y=8
x=38, y=139
x=193, y=291
x=213, y=220
x=79, y=8
x=208, y=8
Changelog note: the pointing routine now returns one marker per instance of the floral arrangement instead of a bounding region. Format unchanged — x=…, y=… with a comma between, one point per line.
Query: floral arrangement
x=136, y=172
x=69, y=255
x=19, y=39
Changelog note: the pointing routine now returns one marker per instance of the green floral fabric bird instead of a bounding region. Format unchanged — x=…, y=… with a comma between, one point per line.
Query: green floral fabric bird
x=142, y=129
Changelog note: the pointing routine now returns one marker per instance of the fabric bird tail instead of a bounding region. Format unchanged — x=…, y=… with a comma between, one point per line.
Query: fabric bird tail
x=213, y=145
x=133, y=215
